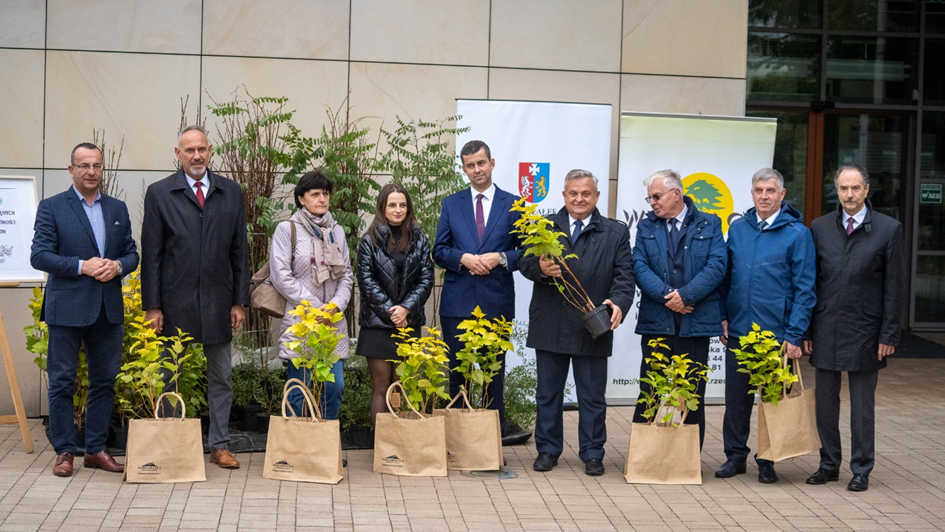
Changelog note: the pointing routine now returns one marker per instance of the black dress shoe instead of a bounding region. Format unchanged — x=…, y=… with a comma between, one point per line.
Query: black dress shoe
x=823, y=476
x=545, y=462
x=730, y=468
x=766, y=474
x=859, y=483
x=594, y=467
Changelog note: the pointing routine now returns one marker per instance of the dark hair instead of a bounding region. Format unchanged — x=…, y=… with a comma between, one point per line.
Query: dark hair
x=84, y=145
x=474, y=146
x=311, y=181
x=401, y=244
x=852, y=166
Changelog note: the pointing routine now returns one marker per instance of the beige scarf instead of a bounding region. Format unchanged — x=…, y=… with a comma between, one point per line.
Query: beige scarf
x=327, y=262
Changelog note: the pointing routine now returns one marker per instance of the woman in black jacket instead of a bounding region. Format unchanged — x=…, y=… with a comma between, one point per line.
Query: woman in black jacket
x=395, y=276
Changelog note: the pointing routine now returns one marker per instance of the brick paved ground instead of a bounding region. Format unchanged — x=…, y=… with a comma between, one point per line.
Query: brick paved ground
x=907, y=488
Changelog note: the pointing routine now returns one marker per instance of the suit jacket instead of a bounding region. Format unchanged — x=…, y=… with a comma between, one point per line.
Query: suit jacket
x=195, y=262
x=860, y=291
x=455, y=235
x=62, y=236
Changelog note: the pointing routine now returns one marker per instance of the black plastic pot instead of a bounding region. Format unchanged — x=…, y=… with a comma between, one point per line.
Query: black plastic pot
x=597, y=321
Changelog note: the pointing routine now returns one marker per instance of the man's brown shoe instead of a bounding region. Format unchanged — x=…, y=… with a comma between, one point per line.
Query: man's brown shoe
x=224, y=459
x=63, y=467
x=102, y=460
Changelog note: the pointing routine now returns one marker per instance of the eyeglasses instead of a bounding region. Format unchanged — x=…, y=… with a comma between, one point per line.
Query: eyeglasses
x=86, y=166
x=658, y=196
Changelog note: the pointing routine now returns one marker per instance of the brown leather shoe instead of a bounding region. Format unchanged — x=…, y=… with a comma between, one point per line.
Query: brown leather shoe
x=63, y=467
x=102, y=460
x=224, y=459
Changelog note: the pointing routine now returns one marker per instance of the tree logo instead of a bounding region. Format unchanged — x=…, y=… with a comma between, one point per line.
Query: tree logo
x=710, y=194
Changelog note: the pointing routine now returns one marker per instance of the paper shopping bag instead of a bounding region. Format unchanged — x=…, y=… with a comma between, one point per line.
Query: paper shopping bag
x=473, y=436
x=664, y=454
x=789, y=428
x=306, y=448
x=165, y=449
x=409, y=444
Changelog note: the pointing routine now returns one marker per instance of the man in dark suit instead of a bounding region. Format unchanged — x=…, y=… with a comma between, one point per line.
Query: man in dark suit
x=82, y=239
x=679, y=261
x=475, y=245
x=195, y=269
x=604, y=268
x=855, y=326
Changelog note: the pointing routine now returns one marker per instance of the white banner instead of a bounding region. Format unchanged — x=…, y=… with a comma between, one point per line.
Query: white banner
x=18, y=201
x=534, y=145
x=716, y=157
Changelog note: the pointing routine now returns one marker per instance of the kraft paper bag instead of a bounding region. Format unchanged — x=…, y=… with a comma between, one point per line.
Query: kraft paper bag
x=788, y=429
x=664, y=454
x=473, y=436
x=165, y=449
x=409, y=444
x=306, y=448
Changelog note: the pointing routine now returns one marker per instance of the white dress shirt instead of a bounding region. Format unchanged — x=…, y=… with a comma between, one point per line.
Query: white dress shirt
x=769, y=220
x=857, y=218
x=679, y=219
x=205, y=186
x=487, y=194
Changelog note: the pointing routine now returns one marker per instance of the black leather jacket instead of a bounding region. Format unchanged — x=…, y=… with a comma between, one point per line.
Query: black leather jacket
x=381, y=287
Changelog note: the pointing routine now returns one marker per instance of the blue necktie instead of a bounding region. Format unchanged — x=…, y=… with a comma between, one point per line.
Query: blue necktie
x=578, y=225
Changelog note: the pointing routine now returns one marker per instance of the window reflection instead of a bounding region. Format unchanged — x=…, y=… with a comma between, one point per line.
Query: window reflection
x=800, y=14
x=873, y=15
x=783, y=66
x=872, y=69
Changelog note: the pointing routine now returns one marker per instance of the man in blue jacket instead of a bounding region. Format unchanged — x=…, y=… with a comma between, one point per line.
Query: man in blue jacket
x=82, y=239
x=475, y=246
x=770, y=282
x=679, y=260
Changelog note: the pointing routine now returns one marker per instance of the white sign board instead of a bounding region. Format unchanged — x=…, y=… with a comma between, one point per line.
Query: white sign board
x=534, y=145
x=18, y=199
x=716, y=157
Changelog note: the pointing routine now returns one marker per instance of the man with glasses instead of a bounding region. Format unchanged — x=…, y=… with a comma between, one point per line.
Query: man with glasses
x=679, y=261
x=82, y=239
x=770, y=281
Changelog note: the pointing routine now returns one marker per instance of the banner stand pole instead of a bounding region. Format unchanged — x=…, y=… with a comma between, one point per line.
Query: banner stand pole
x=20, y=416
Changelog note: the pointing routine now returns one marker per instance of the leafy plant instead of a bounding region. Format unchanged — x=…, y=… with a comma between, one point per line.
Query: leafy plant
x=759, y=355
x=541, y=240
x=521, y=381
x=419, y=157
x=254, y=385
x=673, y=381
x=421, y=368
x=483, y=341
x=355, y=408
x=317, y=339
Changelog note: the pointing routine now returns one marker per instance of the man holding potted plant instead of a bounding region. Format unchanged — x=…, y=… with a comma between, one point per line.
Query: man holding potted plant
x=679, y=260
x=860, y=283
x=770, y=282
x=596, y=265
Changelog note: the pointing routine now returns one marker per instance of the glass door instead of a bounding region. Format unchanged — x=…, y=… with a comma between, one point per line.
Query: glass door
x=928, y=284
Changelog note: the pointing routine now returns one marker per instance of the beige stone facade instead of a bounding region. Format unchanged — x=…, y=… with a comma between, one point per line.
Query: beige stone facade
x=124, y=66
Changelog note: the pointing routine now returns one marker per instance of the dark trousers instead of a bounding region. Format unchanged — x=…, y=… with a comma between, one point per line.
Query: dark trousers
x=102, y=342
x=590, y=379
x=698, y=351
x=862, y=386
x=736, y=424
x=496, y=398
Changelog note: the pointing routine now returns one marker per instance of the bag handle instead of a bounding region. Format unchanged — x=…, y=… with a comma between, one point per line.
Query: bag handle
x=158, y=403
x=297, y=384
x=403, y=395
x=796, y=366
x=656, y=415
x=460, y=393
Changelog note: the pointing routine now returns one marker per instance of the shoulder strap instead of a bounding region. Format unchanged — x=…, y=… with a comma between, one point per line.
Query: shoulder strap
x=292, y=259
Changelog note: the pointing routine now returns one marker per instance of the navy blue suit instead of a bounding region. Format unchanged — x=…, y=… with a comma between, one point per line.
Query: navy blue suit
x=79, y=309
x=462, y=291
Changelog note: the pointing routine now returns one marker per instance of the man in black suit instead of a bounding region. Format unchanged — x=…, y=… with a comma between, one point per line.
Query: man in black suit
x=855, y=326
x=82, y=239
x=195, y=269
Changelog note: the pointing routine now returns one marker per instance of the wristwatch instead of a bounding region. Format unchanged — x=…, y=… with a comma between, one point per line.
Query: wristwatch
x=120, y=269
x=503, y=260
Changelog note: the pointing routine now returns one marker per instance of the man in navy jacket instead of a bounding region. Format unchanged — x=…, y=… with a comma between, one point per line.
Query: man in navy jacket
x=475, y=246
x=770, y=281
x=679, y=260
x=82, y=239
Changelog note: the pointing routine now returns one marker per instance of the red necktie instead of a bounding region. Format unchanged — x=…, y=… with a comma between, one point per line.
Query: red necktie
x=850, y=225
x=199, y=186
x=480, y=219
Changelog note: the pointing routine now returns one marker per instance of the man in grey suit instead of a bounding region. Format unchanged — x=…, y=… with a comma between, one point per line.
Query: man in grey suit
x=855, y=326
x=195, y=269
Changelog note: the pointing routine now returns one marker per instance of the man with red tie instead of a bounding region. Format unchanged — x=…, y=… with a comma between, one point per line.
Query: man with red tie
x=195, y=269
